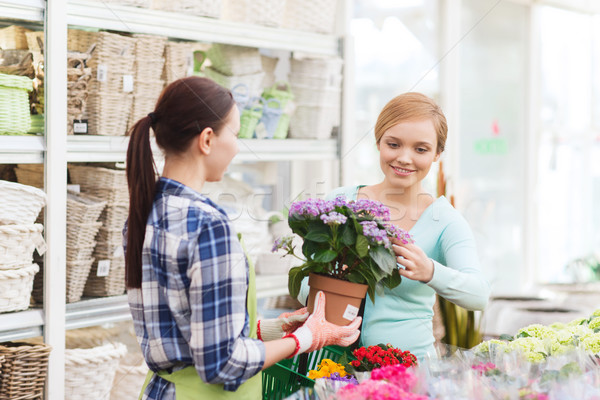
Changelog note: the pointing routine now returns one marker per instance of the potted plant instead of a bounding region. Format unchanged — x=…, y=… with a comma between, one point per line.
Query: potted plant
x=346, y=246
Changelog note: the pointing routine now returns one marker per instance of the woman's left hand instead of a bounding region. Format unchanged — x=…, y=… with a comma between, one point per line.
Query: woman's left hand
x=418, y=266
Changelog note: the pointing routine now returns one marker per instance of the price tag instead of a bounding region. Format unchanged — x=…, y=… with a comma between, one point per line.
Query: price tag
x=189, y=65
x=350, y=313
x=127, y=83
x=80, y=126
x=103, y=268
x=102, y=73
x=40, y=244
x=74, y=188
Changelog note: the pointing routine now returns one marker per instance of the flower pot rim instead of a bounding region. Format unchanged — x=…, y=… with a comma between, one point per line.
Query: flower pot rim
x=341, y=286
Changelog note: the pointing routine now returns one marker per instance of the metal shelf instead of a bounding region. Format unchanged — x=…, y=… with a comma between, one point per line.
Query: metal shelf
x=27, y=10
x=98, y=14
x=114, y=148
x=22, y=149
x=97, y=311
x=21, y=325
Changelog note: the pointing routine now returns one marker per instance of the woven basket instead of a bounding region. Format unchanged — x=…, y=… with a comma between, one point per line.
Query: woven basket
x=17, y=243
x=253, y=81
x=323, y=96
x=78, y=78
x=234, y=60
x=113, y=218
x=111, y=285
x=77, y=274
x=15, y=288
x=13, y=37
x=20, y=204
x=110, y=47
x=89, y=372
x=30, y=175
x=202, y=8
x=259, y=12
x=129, y=379
x=24, y=370
x=83, y=209
x=110, y=242
x=312, y=122
x=81, y=234
x=14, y=104
x=179, y=62
x=80, y=254
x=90, y=178
x=310, y=15
x=131, y=3
x=329, y=68
x=17, y=62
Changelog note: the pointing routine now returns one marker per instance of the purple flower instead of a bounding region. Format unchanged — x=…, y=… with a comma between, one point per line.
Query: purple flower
x=311, y=207
x=334, y=218
x=375, y=208
x=284, y=242
x=348, y=378
x=374, y=234
x=398, y=233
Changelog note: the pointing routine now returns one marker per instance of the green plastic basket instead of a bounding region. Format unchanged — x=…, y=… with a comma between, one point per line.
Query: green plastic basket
x=282, y=92
x=289, y=376
x=249, y=119
x=14, y=104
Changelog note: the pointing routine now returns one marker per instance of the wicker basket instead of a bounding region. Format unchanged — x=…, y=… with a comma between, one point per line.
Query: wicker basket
x=15, y=288
x=253, y=81
x=30, y=175
x=129, y=379
x=111, y=285
x=14, y=104
x=110, y=242
x=310, y=15
x=202, y=8
x=17, y=243
x=113, y=218
x=24, y=370
x=90, y=178
x=77, y=274
x=83, y=209
x=179, y=61
x=78, y=78
x=323, y=96
x=312, y=122
x=329, y=68
x=89, y=372
x=20, y=204
x=234, y=60
x=80, y=253
x=35, y=44
x=81, y=234
x=17, y=62
x=260, y=12
x=13, y=37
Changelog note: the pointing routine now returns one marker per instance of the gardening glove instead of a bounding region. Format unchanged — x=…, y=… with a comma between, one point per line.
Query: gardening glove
x=271, y=329
x=317, y=332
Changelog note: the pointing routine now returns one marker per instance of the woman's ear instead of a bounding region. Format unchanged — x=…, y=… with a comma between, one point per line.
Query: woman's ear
x=437, y=157
x=205, y=140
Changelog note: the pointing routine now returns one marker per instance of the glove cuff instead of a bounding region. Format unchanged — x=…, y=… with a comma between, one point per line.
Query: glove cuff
x=304, y=339
x=268, y=330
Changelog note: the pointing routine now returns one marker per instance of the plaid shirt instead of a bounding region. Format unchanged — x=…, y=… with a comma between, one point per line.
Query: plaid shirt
x=191, y=308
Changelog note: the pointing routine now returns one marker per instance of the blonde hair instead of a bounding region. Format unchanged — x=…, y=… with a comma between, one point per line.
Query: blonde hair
x=412, y=106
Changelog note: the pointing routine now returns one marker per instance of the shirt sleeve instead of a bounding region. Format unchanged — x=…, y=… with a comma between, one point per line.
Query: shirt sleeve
x=461, y=280
x=221, y=350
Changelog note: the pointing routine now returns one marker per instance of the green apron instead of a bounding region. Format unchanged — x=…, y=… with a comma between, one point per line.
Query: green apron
x=189, y=386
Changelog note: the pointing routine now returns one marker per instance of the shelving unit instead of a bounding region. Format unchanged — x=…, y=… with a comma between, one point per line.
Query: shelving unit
x=55, y=149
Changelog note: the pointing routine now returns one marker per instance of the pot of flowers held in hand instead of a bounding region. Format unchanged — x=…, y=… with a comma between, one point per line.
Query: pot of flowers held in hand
x=347, y=252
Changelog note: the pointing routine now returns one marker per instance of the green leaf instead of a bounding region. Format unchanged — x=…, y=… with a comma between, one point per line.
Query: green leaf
x=325, y=256
x=348, y=236
x=295, y=277
x=317, y=237
x=523, y=334
x=507, y=337
x=309, y=248
x=384, y=259
x=393, y=280
x=362, y=246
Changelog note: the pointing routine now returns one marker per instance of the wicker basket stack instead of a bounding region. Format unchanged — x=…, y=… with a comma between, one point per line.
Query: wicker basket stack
x=15, y=118
x=316, y=84
x=149, y=65
x=260, y=12
x=310, y=15
x=107, y=276
x=202, y=8
x=13, y=37
x=235, y=65
x=24, y=370
x=19, y=237
x=78, y=78
x=111, y=86
x=179, y=61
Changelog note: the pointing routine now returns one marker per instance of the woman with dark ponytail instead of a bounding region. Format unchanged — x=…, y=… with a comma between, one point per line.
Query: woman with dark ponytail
x=189, y=285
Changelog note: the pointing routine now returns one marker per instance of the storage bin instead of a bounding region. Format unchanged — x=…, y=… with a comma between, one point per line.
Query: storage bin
x=310, y=15
x=76, y=277
x=14, y=104
x=81, y=234
x=112, y=284
x=83, y=209
x=17, y=244
x=113, y=218
x=327, y=67
x=78, y=78
x=179, y=61
x=24, y=370
x=322, y=96
x=91, y=178
x=312, y=122
x=89, y=372
x=202, y=8
x=234, y=60
x=249, y=119
x=259, y=12
x=13, y=37
x=15, y=288
x=17, y=62
x=20, y=204
x=282, y=92
x=271, y=115
x=253, y=81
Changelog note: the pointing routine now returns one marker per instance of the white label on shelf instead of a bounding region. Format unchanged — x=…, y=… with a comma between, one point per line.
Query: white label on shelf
x=74, y=188
x=40, y=244
x=80, y=126
x=118, y=251
x=103, y=268
x=128, y=83
x=189, y=64
x=350, y=313
x=102, y=74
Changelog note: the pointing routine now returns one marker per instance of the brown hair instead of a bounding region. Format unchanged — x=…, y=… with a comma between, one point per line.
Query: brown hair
x=184, y=109
x=412, y=106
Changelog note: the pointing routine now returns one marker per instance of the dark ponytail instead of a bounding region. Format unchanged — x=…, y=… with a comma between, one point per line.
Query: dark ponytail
x=184, y=109
x=141, y=179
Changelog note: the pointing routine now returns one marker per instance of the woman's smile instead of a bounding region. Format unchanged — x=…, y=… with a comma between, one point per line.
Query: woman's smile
x=402, y=171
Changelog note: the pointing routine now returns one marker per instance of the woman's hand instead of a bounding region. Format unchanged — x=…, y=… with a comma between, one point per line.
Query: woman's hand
x=418, y=266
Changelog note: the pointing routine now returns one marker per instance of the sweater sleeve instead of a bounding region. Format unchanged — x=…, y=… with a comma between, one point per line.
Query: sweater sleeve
x=461, y=280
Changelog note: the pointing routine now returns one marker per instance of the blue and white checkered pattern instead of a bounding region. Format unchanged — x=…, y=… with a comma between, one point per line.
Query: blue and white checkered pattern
x=191, y=308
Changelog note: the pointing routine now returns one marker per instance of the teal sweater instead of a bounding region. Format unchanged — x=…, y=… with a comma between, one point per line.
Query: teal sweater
x=403, y=316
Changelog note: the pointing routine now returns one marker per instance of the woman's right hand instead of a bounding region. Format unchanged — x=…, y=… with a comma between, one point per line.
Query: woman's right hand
x=317, y=332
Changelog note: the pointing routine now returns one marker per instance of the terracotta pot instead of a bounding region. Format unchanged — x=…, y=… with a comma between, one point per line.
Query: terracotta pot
x=342, y=298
